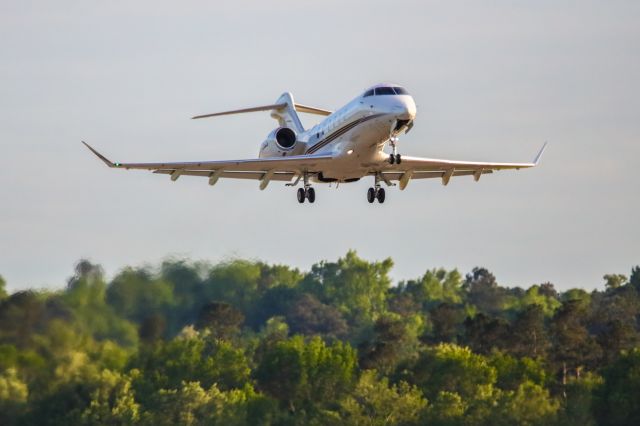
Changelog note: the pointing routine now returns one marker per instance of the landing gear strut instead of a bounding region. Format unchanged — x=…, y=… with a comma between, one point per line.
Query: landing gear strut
x=394, y=157
x=307, y=192
x=377, y=192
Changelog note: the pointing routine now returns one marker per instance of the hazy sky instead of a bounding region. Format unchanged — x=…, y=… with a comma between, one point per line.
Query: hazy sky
x=492, y=80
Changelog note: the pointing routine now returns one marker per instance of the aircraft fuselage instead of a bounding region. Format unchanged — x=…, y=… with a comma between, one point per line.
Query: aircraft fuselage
x=355, y=135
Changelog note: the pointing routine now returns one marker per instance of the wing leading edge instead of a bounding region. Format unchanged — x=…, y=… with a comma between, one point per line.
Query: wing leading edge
x=263, y=169
x=425, y=168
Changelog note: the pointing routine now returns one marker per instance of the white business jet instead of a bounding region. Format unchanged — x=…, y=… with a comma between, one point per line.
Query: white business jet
x=347, y=145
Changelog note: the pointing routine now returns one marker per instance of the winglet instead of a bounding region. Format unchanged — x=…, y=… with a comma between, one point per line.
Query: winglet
x=100, y=156
x=537, y=159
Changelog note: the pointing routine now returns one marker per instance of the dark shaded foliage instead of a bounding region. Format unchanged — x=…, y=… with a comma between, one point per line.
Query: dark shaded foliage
x=528, y=334
x=483, y=291
x=484, y=334
x=446, y=320
x=222, y=319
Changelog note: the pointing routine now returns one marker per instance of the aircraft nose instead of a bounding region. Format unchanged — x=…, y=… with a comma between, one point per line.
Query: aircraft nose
x=406, y=108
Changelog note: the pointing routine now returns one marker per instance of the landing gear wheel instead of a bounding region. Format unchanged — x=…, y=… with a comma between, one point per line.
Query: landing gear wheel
x=380, y=195
x=398, y=159
x=311, y=194
x=371, y=195
x=301, y=195
x=392, y=158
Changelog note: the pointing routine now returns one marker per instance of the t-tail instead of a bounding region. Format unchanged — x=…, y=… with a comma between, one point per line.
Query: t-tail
x=286, y=114
x=285, y=111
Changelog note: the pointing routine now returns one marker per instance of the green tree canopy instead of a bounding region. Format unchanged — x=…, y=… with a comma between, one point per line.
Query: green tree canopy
x=375, y=402
x=3, y=290
x=617, y=397
x=245, y=342
x=306, y=374
x=356, y=287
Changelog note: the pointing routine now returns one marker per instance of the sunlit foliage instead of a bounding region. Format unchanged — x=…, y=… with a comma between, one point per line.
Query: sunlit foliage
x=243, y=342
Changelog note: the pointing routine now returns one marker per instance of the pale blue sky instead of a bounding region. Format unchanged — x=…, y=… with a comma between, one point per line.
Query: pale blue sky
x=492, y=81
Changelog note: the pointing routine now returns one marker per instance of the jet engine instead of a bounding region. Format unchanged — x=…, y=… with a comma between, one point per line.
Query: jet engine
x=281, y=142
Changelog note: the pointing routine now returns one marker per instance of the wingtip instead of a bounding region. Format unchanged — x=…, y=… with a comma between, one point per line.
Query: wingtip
x=100, y=156
x=539, y=155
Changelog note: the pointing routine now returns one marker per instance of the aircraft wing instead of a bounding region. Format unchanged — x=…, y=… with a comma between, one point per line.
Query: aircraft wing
x=264, y=169
x=424, y=168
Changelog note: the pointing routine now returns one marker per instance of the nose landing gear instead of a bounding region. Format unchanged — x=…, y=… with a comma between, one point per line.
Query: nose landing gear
x=394, y=157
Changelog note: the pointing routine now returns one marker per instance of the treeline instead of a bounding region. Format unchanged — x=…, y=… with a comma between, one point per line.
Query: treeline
x=244, y=342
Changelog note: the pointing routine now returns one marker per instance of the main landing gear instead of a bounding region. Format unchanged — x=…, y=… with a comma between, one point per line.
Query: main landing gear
x=394, y=157
x=307, y=192
x=377, y=192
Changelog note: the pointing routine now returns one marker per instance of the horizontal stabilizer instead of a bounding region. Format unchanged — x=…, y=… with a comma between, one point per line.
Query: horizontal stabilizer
x=240, y=111
x=299, y=108
x=312, y=110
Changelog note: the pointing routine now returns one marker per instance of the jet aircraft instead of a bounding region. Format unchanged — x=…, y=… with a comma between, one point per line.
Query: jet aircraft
x=346, y=146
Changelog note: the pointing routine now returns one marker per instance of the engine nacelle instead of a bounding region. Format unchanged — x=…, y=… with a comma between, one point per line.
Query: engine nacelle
x=281, y=142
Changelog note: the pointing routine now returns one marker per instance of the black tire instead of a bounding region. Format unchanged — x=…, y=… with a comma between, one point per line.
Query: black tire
x=311, y=194
x=300, y=195
x=371, y=195
x=392, y=159
x=398, y=159
x=381, y=195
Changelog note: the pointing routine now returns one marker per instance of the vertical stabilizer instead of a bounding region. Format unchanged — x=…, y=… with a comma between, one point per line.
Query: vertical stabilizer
x=287, y=115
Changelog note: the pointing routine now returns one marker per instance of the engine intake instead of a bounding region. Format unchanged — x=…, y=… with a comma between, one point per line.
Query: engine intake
x=285, y=138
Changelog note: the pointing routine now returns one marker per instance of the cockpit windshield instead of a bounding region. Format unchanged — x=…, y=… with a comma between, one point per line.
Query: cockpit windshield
x=380, y=91
x=384, y=91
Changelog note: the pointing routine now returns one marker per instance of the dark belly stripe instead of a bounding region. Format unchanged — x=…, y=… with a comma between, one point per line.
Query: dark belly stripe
x=339, y=133
x=333, y=136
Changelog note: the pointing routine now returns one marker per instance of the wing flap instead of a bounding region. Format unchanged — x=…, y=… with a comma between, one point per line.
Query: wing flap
x=430, y=175
x=433, y=164
x=277, y=176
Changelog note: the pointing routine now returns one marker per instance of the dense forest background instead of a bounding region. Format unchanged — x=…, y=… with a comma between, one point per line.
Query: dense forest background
x=244, y=342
